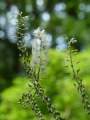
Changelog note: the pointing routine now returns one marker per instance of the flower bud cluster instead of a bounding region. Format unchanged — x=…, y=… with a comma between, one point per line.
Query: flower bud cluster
x=40, y=48
x=19, y=14
x=81, y=89
x=46, y=100
x=21, y=44
x=28, y=98
x=78, y=80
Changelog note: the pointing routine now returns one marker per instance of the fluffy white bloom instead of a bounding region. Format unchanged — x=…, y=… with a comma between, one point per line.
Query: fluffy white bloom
x=42, y=35
x=35, y=54
x=40, y=49
x=36, y=33
x=73, y=40
x=39, y=33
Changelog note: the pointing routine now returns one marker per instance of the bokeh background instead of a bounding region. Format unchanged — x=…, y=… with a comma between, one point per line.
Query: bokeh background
x=60, y=19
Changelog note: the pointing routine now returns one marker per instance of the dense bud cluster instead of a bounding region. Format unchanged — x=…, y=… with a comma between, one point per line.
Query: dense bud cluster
x=28, y=98
x=46, y=100
x=78, y=80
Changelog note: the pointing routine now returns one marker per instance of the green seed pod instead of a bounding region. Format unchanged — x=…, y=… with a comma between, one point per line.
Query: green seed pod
x=20, y=55
x=19, y=102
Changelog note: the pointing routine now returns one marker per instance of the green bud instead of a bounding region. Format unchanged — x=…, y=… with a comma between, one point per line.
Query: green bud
x=26, y=28
x=19, y=102
x=20, y=55
x=15, y=36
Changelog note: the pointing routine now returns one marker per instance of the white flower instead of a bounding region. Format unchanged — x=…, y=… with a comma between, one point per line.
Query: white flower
x=35, y=53
x=36, y=33
x=42, y=35
x=39, y=33
x=73, y=40
x=40, y=49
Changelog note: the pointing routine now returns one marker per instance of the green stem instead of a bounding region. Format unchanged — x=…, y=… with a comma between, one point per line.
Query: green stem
x=71, y=62
x=80, y=87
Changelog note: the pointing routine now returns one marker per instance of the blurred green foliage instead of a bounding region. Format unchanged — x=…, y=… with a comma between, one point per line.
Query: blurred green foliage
x=58, y=86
